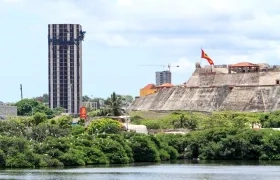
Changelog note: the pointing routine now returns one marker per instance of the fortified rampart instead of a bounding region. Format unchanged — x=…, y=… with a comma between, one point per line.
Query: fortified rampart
x=213, y=91
x=207, y=99
x=216, y=79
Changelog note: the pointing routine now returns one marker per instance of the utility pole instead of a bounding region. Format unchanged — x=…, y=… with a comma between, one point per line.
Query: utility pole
x=21, y=92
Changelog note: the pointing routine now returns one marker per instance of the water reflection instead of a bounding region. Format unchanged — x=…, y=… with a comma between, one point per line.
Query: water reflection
x=199, y=170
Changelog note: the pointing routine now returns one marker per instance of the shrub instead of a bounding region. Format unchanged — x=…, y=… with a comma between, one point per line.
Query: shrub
x=105, y=125
x=39, y=118
x=77, y=129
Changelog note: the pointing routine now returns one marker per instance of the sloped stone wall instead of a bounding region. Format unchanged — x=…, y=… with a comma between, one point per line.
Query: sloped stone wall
x=181, y=98
x=209, y=92
x=208, y=99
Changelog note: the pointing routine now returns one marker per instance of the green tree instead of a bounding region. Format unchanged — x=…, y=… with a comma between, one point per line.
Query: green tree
x=65, y=121
x=127, y=99
x=114, y=151
x=86, y=98
x=271, y=120
x=185, y=122
x=144, y=150
x=190, y=123
x=25, y=107
x=97, y=99
x=58, y=111
x=73, y=157
x=115, y=103
x=123, y=99
x=95, y=156
x=28, y=107
x=104, y=126
x=39, y=117
x=44, y=98
x=103, y=112
x=77, y=130
x=2, y=158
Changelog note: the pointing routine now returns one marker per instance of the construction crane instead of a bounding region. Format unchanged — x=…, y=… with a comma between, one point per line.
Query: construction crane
x=163, y=66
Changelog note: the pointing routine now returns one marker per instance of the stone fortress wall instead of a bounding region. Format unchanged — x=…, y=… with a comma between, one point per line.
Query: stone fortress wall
x=214, y=90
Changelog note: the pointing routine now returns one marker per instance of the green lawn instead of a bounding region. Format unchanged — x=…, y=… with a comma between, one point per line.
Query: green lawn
x=149, y=114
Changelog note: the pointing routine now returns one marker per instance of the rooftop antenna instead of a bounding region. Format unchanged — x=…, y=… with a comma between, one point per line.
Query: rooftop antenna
x=21, y=92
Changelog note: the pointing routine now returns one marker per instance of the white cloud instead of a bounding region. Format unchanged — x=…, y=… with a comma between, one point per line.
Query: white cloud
x=185, y=65
x=186, y=42
x=111, y=40
x=11, y=1
x=241, y=29
x=124, y=3
x=154, y=32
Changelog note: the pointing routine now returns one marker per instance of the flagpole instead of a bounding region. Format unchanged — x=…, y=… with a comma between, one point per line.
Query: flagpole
x=200, y=56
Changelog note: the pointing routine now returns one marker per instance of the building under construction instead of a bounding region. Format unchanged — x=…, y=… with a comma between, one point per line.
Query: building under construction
x=239, y=87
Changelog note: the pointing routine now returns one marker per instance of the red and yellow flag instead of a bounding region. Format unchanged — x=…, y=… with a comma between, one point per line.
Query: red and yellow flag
x=205, y=56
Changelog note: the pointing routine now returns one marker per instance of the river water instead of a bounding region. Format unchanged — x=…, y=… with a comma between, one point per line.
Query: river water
x=226, y=170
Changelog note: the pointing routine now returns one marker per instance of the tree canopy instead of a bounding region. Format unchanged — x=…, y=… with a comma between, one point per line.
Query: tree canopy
x=28, y=107
x=36, y=141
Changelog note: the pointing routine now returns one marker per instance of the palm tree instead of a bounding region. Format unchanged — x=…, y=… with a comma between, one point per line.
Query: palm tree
x=174, y=123
x=186, y=122
x=115, y=103
x=182, y=121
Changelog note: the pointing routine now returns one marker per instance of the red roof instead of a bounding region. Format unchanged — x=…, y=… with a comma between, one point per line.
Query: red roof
x=244, y=64
x=166, y=85
x=149, y=86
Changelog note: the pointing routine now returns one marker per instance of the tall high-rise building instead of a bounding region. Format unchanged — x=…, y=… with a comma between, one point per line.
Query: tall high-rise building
x=65, y=66
x=163, y=77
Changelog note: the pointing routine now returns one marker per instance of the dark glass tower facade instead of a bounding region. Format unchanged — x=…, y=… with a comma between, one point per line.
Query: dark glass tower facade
x=65, y=66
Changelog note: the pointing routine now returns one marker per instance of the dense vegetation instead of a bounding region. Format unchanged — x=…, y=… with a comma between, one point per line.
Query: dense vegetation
x=39, y=142
x=112, y=106
x=38, y=139
x=200, y=121
x=29, y=107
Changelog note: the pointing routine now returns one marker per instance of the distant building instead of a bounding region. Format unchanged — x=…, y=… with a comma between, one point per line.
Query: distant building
x=6, y=110
x=163, y=77
x=91, y=105
x=65, y=66
x=148, y=89
x=243, y=67
x=152, y=89
x=101, y=102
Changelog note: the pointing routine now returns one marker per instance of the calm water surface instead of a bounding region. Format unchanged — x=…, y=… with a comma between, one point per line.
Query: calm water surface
x=182, y=170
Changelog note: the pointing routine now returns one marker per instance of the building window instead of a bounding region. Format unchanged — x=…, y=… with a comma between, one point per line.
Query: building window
x=277, y=81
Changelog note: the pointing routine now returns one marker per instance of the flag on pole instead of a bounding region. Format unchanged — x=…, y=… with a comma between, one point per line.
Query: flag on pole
x=205, y=56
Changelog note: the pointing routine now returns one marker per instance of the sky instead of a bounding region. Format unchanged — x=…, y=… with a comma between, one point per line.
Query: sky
x=123, y=35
